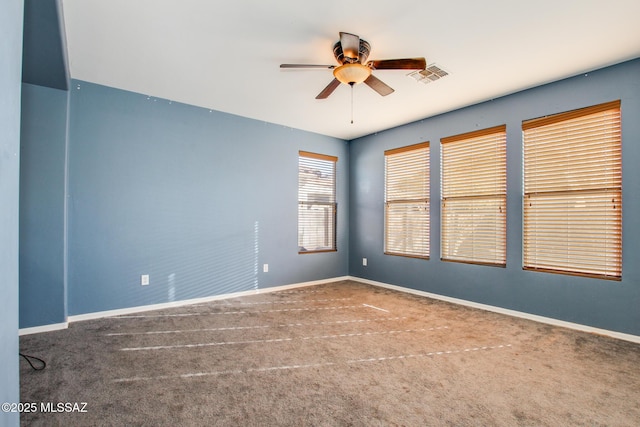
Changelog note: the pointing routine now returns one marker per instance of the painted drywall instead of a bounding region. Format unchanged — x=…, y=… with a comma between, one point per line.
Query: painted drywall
x=42, y=205
x=604, y=304
x=44, y=55
x=198, y=200
x=11, y=13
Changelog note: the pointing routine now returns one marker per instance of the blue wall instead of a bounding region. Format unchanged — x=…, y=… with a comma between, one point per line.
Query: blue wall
x=600, y=303
x=44, y=54
x=42, y=205
x=11, y=13
x=197, y=199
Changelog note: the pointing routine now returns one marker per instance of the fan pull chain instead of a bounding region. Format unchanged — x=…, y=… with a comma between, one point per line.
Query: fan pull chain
x=351, y=84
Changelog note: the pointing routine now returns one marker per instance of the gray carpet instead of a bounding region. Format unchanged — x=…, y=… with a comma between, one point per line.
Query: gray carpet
x=342, y=354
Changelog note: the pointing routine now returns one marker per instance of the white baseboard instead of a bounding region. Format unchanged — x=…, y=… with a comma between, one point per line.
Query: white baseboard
x=139, y=309
x=508, y=312
x=500, y=310
x=44, y=328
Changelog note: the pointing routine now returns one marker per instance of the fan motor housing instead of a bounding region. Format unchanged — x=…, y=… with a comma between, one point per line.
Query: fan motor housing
x=363, y=53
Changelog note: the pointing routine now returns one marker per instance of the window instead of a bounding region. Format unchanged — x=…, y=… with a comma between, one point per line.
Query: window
x=406, y=228
x=316, y=202
x=573, y=191
x=474, y=195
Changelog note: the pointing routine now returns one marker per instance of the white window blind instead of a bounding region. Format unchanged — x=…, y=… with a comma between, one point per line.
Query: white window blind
x=317, y=206
x=573, y=191
x=406, y=230
x=474, y=195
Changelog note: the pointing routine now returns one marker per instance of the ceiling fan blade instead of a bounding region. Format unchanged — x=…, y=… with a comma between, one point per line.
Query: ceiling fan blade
x=350, y=45
x=378, y=85
x=398, y=64
x=328, y=67
x=329, y=89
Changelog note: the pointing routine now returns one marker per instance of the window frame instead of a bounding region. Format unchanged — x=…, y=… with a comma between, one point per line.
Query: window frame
x=463, y=157
x=601, y=265
x=322, y=163
x=422, y=232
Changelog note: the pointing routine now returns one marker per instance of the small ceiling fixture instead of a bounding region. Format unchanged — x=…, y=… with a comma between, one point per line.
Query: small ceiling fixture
x=352, y=73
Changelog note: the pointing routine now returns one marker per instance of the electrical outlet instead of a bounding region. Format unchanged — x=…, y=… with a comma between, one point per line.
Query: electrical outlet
x=144, y=280
x=364, y=262
x=265, y=268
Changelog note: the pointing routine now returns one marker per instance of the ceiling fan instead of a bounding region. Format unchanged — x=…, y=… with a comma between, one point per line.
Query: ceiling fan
x=351, y=52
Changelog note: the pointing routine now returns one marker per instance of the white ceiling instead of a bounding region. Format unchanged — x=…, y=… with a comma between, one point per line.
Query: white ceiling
x=226, y=55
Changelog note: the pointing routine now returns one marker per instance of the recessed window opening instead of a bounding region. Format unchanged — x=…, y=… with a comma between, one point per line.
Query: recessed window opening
x=474, y=197
x=406, y=225
x=317, y=207
x=572, y=192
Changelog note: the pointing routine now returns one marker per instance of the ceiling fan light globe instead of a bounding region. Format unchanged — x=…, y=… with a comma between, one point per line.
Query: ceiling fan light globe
x=352, y=73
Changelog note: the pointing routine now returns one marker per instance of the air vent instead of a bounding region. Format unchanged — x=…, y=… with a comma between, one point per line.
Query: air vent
x=428, y=75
